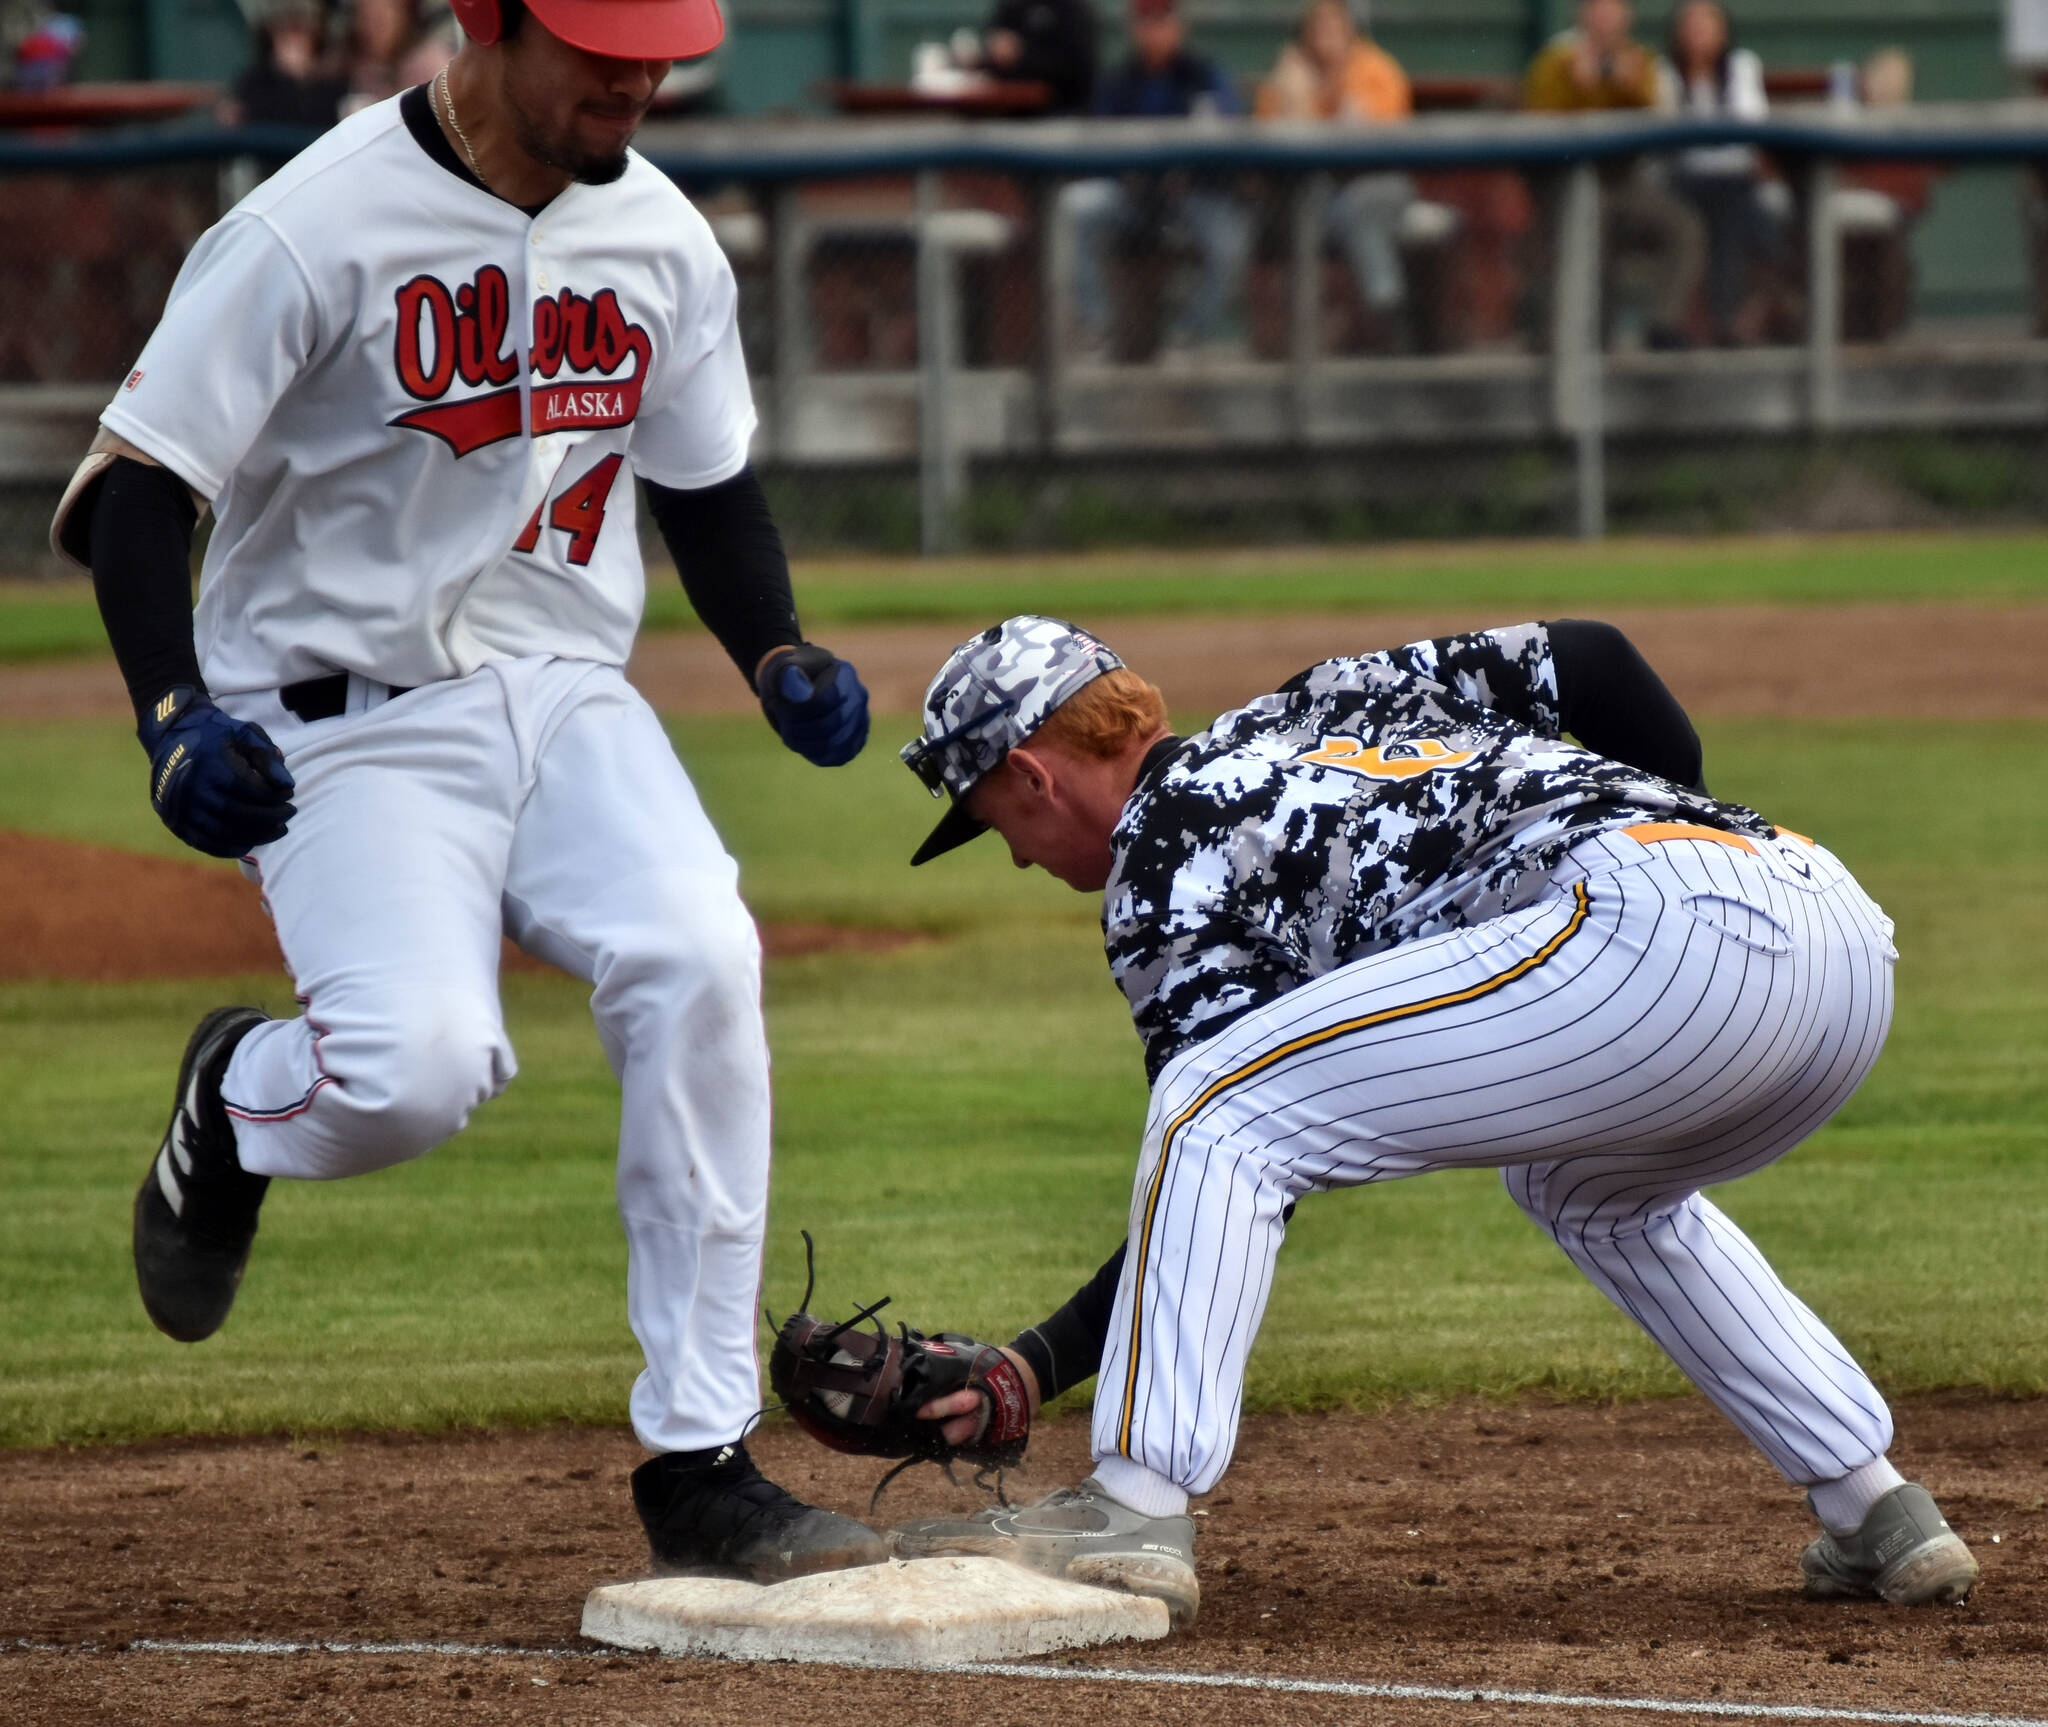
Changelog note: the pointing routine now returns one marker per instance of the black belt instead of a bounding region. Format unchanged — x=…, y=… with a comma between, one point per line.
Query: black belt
x=325, y=698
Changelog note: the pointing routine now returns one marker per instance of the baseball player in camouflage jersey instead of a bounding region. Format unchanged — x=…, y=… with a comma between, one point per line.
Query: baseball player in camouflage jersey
x=1389, y=919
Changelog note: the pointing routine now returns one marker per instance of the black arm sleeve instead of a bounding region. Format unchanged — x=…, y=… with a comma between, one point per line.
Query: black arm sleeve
x=1614, y=704
x=730, y=557
x=142, y=522
x=1067, y=1348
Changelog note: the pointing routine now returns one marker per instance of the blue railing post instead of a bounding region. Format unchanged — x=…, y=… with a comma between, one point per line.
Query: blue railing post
x=1823, y=297
x=942, y=467
x=1310, y=200
x=1578, y=370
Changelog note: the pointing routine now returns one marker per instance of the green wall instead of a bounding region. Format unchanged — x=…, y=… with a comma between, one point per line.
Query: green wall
x=186, y=39
x=782, y=46
x=1970, y=248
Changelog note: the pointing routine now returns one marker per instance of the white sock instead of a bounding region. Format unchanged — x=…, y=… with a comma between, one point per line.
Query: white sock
x=1144, y=1490
x=1842, y=1505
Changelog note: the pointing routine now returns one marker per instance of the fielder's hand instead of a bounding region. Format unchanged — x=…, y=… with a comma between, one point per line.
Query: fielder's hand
x=867, y=1392
x=217, y=782
x=966, y=1413
x=816, y=702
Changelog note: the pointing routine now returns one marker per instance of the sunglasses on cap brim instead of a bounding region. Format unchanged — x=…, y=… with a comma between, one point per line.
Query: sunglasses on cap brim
x=926, y=757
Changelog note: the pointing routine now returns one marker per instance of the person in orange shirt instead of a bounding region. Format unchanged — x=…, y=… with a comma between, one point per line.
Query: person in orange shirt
x=1330, y=71
x=1597, y=66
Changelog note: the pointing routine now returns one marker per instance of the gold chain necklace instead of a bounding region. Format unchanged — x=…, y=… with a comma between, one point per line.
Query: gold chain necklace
x=455, y=126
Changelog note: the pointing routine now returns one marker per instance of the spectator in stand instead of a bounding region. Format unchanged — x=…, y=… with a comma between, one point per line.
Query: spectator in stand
x=1599, y=65
x=1707, y=77
x=44, y=56
x=1872, y=210
x=1885, y=80
x=1331, y=71
x=1049, y=42
x=392, y=46
x=1162, y=79
x=287, y=83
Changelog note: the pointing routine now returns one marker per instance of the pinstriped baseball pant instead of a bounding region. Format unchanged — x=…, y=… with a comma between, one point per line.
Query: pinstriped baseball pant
x=1666, y=1016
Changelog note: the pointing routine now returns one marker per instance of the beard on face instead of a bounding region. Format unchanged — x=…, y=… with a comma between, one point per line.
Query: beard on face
x=554, y=145
x=560, y=151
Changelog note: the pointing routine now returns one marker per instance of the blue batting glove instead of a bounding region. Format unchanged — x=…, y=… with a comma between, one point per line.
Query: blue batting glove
x=816, y=703
x=216, y=782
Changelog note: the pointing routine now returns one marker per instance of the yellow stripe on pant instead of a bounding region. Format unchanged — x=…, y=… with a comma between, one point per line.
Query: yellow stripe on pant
x=1251, y=1069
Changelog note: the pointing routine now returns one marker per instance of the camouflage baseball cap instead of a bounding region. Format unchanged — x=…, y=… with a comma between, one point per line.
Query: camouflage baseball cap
x=991, y=695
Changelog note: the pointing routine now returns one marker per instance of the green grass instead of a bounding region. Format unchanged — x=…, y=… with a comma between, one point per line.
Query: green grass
x=58, y=620
x=957, y=1121
x=1543, y=578
x=48, y=621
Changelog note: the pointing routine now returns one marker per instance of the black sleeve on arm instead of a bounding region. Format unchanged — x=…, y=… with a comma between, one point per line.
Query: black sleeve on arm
x=142, y=522
x=1613, y=703
x=1067, y=1348
x=730, y=556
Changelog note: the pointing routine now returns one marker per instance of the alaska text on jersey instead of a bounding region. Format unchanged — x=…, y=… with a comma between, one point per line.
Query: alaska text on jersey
x=464, y=336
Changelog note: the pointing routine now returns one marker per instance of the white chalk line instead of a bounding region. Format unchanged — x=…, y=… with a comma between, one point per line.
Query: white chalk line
x=1481, y=1694
x=1118, y=1676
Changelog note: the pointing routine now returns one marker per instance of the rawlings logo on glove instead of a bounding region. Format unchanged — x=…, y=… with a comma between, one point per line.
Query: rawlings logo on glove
x=859, y=1391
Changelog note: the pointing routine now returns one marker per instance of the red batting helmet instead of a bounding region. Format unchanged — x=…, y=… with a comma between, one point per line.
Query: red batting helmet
x=617, y=29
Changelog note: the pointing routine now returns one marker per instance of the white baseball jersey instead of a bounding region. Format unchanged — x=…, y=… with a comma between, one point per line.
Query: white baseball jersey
x=365, y=291
x=413, y=405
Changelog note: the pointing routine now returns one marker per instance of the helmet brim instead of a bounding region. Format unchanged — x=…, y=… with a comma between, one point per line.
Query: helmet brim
x=634, y=29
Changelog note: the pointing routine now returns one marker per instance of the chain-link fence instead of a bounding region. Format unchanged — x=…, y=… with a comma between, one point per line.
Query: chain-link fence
x=1076, y=333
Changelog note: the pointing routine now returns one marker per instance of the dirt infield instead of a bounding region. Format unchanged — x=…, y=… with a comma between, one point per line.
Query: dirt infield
x=89, y=913
x=1632, y=1552
x=1911, y=661
x=93, y=914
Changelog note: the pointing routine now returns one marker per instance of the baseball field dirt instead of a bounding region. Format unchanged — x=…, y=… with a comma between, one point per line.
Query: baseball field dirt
x=96, y=915
x=1911, y=661
x=1639, y=1552
x=1633, y=1552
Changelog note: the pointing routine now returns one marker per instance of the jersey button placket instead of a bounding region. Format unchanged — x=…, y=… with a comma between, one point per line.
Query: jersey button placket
x=537, y=283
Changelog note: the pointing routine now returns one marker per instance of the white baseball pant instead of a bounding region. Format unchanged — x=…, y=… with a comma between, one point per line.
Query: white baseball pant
x=1673, y=1011
x=537, y=798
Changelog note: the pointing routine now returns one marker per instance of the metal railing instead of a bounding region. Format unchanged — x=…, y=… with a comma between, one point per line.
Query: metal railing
x=943, y=410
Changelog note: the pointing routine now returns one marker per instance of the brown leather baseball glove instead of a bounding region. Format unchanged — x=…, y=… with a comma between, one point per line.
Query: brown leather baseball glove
x=859, y=1391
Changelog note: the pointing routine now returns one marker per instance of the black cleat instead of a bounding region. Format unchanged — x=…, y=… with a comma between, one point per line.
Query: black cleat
x=716, y=1515
x=195, y=1214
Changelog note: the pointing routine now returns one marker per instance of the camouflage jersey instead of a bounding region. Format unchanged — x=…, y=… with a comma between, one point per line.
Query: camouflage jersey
x=1366, y=802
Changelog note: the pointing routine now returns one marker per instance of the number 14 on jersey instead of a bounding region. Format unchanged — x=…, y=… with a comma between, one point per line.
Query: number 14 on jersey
x=578, y=512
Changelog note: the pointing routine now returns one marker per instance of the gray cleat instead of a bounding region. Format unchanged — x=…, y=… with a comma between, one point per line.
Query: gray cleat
x=1904, y=1553
x=1079, y=1533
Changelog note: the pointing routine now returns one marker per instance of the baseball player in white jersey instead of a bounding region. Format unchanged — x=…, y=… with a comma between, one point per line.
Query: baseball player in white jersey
x=1388, y=920
x=414, y=375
